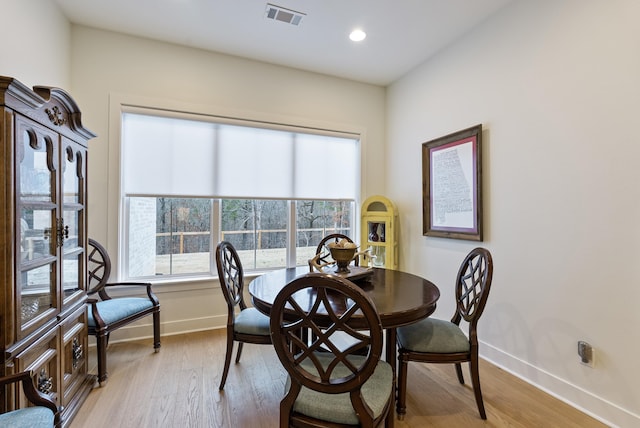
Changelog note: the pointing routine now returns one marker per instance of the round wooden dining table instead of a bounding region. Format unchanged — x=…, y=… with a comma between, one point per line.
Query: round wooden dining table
x=400, y=298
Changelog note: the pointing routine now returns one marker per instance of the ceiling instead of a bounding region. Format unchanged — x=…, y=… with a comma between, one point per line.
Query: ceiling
x=401, y=34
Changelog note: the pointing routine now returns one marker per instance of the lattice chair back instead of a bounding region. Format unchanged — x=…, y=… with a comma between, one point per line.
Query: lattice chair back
x=231, y=275
x=473, y=283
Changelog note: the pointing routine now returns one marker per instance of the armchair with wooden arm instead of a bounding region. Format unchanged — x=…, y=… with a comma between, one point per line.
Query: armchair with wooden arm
x=43, y=413
x=107, y=314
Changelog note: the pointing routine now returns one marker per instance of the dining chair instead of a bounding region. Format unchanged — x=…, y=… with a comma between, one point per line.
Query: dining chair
x=108, y=313
x=329, y=384
x=432, y=340
x=248, y=325
x=43, y=413
x=322, y=254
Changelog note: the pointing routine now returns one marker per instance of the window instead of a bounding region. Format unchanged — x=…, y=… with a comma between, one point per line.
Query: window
x=188, y=183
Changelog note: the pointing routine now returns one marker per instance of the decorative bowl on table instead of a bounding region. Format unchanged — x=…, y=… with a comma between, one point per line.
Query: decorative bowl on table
x=343, y=256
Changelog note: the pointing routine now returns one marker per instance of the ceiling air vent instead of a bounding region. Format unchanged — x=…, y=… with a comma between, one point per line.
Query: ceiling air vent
x=280, y=13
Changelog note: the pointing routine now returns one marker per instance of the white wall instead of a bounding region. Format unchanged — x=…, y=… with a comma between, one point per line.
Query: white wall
x=109, y=69
x=36, y=43
x=555, y=85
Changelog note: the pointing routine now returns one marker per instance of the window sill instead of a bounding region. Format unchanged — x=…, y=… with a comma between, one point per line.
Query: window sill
x=173, y=285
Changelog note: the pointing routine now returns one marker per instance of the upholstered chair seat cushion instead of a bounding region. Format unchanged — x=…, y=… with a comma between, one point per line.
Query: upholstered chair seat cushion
x=252, y=321
x=432, y=335
x=337, y=407
x=116, y=309
x=30, y=417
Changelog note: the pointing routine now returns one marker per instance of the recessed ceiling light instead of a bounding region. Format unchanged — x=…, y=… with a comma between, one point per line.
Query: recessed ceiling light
x=357, y=35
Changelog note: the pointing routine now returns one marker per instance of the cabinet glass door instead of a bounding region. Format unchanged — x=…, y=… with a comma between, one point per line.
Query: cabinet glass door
x=37, y=226
x=73, y=180
x=376, y=242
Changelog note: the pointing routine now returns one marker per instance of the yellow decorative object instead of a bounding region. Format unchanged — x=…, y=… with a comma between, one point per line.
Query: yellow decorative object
x=379, y=232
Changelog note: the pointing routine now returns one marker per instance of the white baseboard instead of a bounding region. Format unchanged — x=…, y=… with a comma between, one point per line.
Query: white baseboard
x=144, y=329
x=606, y=412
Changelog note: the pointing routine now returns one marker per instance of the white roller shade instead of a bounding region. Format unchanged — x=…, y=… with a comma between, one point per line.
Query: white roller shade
x=179, y=157
x=163, y=156
x=254, y=162
x=325, y=167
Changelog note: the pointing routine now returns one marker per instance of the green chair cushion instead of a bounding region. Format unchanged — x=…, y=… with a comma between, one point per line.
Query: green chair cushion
x=337, y=407
x=252, y=321
x=116, y=309
x=433, y=336
x=30, y=417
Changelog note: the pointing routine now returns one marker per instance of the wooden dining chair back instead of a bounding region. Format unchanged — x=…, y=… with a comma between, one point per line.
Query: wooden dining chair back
x=107, y=313
x=330, y=384
x=244, y=324
x=439, y=341
x=322, y=254
x=43, y=412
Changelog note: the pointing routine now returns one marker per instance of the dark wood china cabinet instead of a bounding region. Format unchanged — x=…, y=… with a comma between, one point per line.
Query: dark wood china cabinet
x=43, y=240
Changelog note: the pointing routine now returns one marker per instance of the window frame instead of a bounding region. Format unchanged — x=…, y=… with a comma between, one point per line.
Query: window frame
x=216, y=232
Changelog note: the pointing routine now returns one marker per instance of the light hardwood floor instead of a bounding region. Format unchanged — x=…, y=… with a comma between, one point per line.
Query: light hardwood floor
x=178, y=387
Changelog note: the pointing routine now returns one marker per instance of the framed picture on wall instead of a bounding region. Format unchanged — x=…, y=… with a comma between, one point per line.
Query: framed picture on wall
x=452, y=185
